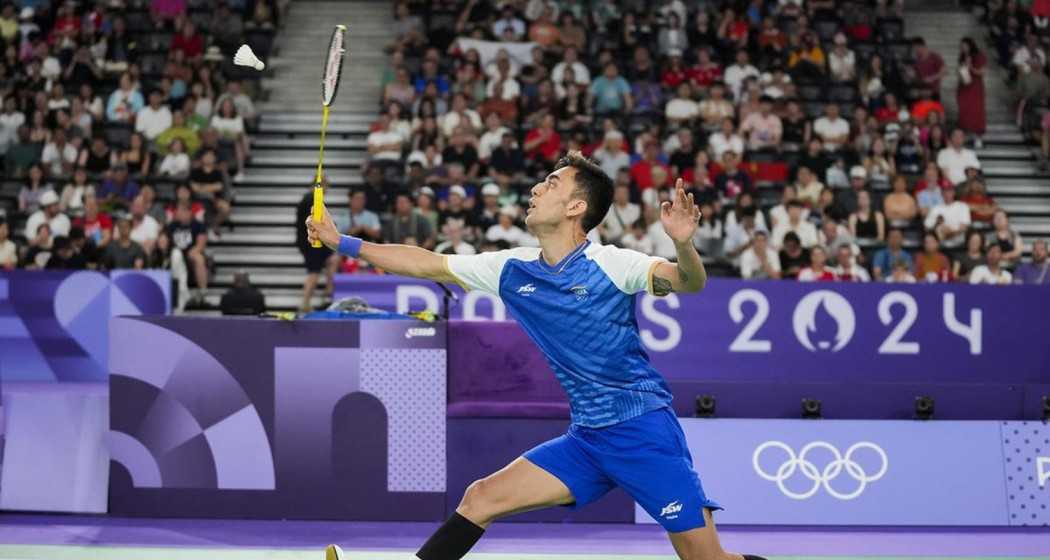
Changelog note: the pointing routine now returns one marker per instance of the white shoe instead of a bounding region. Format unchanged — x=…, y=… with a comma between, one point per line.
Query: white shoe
x=978, y=143
x=239, y=176
x=333, y=552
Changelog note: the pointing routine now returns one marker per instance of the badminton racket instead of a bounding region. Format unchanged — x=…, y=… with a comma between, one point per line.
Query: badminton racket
x=333, y=70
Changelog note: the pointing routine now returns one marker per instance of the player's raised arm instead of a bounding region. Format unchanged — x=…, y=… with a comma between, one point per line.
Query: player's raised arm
x=405, y=260
x=680, y=219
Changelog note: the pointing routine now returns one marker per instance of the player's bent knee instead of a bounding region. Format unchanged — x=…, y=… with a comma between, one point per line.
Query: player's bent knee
x=481, y=502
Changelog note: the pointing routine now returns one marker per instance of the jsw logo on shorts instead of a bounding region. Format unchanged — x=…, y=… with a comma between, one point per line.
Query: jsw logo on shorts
x=671, y=510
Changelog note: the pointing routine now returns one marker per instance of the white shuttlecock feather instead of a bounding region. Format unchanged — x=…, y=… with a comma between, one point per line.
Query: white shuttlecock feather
x=245, y=57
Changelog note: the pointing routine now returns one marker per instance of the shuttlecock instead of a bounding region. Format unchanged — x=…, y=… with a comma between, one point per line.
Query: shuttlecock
x=245, y=57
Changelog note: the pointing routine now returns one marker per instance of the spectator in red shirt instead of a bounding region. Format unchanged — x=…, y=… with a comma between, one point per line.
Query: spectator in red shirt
x=929, y=67
x=676, y=72
x=97, y=225
x=817, y=271
x=706, y=72
x=188, y=41
x=642, y=170
x=890, y=110
x=543, y=144
x=982, y=206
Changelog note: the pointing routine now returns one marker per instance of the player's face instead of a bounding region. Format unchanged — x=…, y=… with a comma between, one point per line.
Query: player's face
x=551, y=200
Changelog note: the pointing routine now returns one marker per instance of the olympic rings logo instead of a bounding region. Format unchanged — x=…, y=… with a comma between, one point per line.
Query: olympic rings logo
x=820, y=477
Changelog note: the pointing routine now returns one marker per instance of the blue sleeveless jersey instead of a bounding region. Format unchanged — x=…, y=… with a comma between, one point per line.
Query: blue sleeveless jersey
x=580, y=312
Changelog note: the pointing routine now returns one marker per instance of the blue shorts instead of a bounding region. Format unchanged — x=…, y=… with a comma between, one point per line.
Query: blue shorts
x=646, y=456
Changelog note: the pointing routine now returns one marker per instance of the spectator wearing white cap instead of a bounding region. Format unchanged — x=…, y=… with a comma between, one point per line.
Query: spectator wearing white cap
x=488, y=213
x=612, y=155
x=505, y=230
x=48, y=214
x=456, y=208
x=956, y=158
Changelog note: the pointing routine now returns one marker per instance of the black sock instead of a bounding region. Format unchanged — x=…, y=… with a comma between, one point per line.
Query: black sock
x=752, y=557
x=451, y=541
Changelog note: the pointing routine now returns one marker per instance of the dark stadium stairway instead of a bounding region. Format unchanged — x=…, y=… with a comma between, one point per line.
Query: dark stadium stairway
x=284, y=150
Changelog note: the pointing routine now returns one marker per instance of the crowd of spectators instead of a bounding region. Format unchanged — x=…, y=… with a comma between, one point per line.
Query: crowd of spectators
x=122, y=125
x=1020, y=36
x=811, y=133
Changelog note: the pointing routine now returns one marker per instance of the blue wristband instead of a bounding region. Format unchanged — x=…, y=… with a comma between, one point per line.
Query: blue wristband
x=350, y=246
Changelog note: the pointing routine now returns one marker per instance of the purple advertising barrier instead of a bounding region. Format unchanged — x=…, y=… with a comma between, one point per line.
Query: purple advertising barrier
x=495, y=371
x=812, y=472
x=52, y=322
x=277, y=419
x=811, y=332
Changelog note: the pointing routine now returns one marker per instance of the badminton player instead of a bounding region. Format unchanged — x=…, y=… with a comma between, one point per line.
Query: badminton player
x=576, y=301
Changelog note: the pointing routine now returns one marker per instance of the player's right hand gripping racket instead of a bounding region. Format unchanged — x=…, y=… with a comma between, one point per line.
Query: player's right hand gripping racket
x=333, y=70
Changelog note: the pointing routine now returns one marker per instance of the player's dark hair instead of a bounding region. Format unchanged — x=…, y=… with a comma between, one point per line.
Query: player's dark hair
x=593, y=185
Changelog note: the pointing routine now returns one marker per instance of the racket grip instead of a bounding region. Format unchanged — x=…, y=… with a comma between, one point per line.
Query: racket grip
x=318, y=210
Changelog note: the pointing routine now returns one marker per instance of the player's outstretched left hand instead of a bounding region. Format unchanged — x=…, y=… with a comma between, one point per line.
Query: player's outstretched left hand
x=680, y=216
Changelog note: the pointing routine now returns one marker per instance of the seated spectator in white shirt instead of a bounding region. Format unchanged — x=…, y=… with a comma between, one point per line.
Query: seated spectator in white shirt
x=612, y=156
x=493, y=136
x=992, y=272
x=454, y=243
x=177, y=163
x=637, y=238
x=48, y=214
x=806, y=231
x=725, y=140
x=949, y=220
x=846, y=270
x=144, y=229
x=505, y=230
x=832, y=129
x=842, y=63
x=460, y=115
x=153, y=118
x=760, y=261
x=1029, y=51
x=58, y=156
x=621, y=215
x=763, y=128
x=571, y=59
x=739, y=71
x=778, y=214
x=503, y=85
x=956, y=158
x=384, y=144
x=682, y=109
